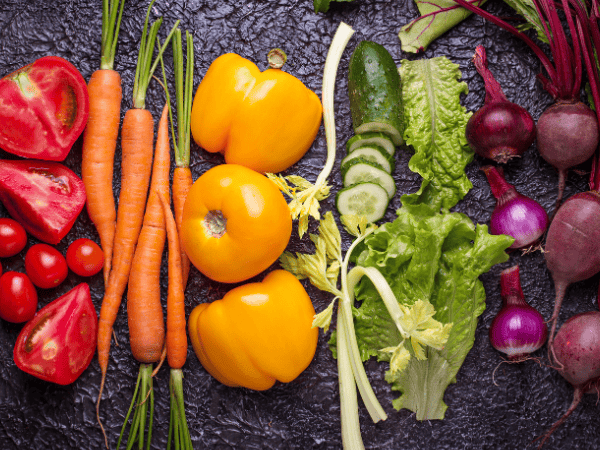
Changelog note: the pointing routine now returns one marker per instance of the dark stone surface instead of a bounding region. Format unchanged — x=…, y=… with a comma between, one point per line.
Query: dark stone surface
x=505, y=412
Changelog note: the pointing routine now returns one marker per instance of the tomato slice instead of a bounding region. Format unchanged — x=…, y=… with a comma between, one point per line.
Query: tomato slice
x=59, y=343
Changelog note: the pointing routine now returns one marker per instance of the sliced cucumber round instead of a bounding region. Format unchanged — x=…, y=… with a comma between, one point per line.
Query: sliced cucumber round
x=380, y=139
x=375, y=91
x=373, y=154
x=363, y=171
x=363, y=199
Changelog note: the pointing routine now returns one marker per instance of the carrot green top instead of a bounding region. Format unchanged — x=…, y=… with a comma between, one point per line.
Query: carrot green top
x=145, y=66
x=112, y=11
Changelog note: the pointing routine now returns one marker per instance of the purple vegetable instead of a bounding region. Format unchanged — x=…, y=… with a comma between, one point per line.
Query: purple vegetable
x=500, y=130
x=577, y=355
x=518, y=329
x=515, y=214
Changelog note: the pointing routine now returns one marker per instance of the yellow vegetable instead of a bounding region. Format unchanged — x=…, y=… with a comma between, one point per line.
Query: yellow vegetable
x=258, y=333
x=262, y=120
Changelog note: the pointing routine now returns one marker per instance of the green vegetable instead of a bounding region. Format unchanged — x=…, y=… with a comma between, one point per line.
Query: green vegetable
x=366, y=199
x=379, y=139
x=414, y=324
x=437, y=17
x=370, y=153
x=435, y=258
x=375, y=92
x=435, y=128
x=361, y=171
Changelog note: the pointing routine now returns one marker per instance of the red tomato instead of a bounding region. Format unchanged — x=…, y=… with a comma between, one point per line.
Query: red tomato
x=12, y=237
x=59, y=342
x=46, y=266
x=18, y=297
x=85, y=257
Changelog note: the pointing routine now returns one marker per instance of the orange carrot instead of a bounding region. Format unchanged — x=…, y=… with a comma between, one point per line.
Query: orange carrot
x=98, y=152
x=176, y=334
x=182, y=182
x=101, y=132
x=136, y=141
x=144, y=309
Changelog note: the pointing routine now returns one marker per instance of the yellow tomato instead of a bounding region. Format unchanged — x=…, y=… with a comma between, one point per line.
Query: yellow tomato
x=236, y=223
x=262, y=120
x=257, y=333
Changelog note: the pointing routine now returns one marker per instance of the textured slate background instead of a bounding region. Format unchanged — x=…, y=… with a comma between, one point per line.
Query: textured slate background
x=525, y=399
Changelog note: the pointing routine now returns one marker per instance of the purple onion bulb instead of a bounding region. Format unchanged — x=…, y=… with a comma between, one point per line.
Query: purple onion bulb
x=518, y=329
x=515, y=215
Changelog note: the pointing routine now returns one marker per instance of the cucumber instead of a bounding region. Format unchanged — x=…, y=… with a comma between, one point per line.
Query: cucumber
x=380, y=139
x=363, y=171
x=373, y=154
x=363, y=199
x=375, y=91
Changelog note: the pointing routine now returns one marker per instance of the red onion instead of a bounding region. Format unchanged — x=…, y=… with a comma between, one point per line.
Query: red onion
x=518, y=329
x=499, y=130
x=515, y=214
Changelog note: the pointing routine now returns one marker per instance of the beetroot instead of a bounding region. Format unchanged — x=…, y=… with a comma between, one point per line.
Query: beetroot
x=577, y=356
x=499, y=130
x=567, y=135
x=572, y=249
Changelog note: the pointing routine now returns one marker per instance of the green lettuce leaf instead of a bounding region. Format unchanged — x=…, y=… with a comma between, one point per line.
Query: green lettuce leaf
x=526, y=9
x=437, y=17
x=435, y=128
x=436, y=258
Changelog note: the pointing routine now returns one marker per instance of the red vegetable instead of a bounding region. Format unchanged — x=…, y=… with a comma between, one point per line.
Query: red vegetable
x=573, y=246
x=58, y=344
x=515, y=214
x=499, y=130
x=577, y=355
x=13, y=237
x=85, y=257
x=44, y=109
x=44, y=197
x=45, y=266
x=18, y=297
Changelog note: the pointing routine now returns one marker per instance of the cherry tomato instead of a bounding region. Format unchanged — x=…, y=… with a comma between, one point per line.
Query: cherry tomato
x=58, y=344
x=85, y=257
x=13, y=237
x=18, y=297
x=46, y=266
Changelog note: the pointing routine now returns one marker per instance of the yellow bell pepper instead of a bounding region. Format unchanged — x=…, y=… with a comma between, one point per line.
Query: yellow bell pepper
x=262, y=120
x=257, y=333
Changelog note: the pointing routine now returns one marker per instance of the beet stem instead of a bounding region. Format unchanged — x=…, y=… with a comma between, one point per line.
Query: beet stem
x=577, y=396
